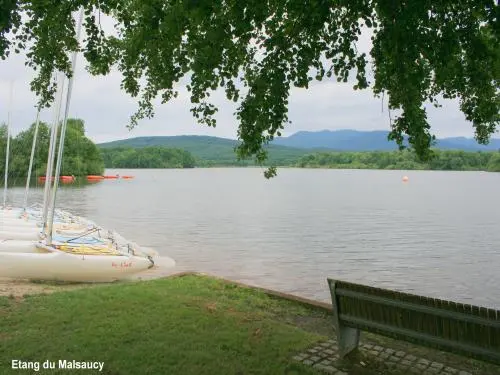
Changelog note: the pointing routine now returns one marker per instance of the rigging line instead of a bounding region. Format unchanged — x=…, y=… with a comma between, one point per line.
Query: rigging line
x=84, y=234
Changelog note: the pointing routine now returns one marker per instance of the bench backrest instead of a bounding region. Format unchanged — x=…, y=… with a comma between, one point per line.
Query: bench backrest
x=463, y=329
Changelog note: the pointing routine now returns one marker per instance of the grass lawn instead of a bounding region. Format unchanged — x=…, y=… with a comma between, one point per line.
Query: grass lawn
x=182, y=325
x=186, y=325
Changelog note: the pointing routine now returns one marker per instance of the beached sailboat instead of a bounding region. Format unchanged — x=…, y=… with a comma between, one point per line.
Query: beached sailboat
x=20, y=228
x=71, y=260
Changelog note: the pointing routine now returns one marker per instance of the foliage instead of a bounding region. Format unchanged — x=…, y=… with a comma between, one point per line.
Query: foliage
x=441, y=160
x=81, y=156
x=211, y=328
x=422, y=50
x=147, y=157
x=494, y=163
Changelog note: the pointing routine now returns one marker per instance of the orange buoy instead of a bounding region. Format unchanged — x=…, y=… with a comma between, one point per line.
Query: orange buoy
x=67, y=178
x=405, y=178
x=128, y=177
x=110, y=177
x=95, y=177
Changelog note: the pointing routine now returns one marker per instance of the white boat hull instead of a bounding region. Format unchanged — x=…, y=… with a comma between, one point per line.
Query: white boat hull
x=18, y=236
x=69, y=267
x=18, y=246
x=17, y=223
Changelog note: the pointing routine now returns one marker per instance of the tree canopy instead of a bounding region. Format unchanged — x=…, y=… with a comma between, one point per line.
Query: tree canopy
x=81, y=156
x=423, y=50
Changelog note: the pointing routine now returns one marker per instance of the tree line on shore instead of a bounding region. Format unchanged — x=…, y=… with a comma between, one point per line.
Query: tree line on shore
x=147, y=157
x=447, y=160
x=81, y=156
x=450, y=160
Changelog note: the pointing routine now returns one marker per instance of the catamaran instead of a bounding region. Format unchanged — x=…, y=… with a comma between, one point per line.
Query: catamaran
x=67, y=250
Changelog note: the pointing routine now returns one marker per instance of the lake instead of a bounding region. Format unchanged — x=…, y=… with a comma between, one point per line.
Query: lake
x=436, y=235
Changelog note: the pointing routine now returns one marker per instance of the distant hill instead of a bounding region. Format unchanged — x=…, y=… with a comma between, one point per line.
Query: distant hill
x=353, y=140
x=209, y=149
x=284, y=150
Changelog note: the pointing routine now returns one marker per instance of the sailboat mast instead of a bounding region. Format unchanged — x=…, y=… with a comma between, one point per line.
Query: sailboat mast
x=63, y=132
x=8, y=147
x=52, y=149
x=32, y=157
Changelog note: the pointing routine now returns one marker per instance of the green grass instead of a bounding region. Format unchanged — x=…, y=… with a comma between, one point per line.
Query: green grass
x=184, y=325
x=187, y=325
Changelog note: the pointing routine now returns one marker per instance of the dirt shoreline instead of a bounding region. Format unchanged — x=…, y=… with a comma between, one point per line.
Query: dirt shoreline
x=17, y=288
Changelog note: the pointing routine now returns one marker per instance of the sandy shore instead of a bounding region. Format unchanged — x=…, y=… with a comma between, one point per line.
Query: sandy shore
x=18, y=288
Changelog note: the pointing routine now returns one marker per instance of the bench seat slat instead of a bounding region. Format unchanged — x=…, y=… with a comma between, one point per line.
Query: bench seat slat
x=424, y=309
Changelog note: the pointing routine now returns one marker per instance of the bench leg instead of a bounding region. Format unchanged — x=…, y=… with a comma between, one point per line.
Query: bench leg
x=347, y=337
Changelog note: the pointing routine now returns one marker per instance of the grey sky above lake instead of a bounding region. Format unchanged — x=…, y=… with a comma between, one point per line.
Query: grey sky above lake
x=106, y=109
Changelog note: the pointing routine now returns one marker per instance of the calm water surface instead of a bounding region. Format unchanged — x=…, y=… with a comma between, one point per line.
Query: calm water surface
x=436, y=235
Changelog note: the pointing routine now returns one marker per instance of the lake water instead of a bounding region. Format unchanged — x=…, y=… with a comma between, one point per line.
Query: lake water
x=436, y=235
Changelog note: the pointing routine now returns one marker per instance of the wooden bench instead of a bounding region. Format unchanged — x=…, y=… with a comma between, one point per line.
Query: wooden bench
x=467, y=330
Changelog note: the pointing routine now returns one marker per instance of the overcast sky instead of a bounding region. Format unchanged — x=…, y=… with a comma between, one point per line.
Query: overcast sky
x=106, y=109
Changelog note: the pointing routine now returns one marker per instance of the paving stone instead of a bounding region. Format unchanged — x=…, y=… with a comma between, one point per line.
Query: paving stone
x=331, y=342
x=325, y=344
x=312, y=351
x=378, y=348
x=368, y=346
x=406, y=363
x=394, y=358
x=390, y=351
x=298, y=358
x=327, y=369
x=329, y=351
x=400, y=354
x=437, y=365
x=390, y=363
x=307, y=362
x=401, y=366
x=433, y=370
x=341, y=373
x=384, y=355
x=424, y=361
x=464, y=373
x=315, y=359
x=326, y=362
x=421, y=366
x=410, y=357
x=330, y=369
x=373, y=352
x=450, y=370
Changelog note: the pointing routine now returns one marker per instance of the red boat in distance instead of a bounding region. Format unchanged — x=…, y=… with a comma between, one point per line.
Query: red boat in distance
x=65, y=179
